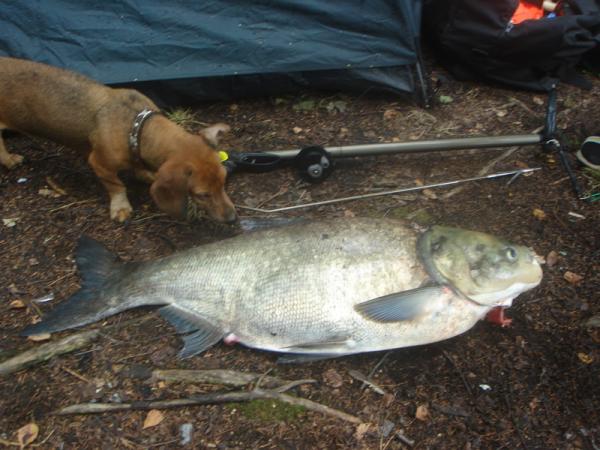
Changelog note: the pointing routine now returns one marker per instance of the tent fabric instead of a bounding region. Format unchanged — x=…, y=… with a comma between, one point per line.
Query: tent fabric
x=130, y=41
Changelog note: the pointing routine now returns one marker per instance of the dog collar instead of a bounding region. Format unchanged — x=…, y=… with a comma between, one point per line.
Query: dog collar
x=136, y=131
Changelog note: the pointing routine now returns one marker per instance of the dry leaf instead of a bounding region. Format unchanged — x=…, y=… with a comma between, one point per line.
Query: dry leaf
x=361, y=430
x=585, y=358
x=60, y=191
x=538, y=101
x=48, y=193
x=551, y=258
x=27, y=434
x=332, y=378
x=501, y=113
x=572, y=277
x=39, y=337
x=422, y=413
x=390, y=114
x=539, y=214
x=297, y=130
x=153, y=418
x=430, y=194
x=349, y=213
x=17, y=304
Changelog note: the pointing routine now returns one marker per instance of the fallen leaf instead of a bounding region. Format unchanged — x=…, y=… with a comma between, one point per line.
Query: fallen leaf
x=10, y=221
x=538, y=101
x=593, y=322
x=349, y=213
x=48, y=193
x=304, y=105
x=445, y=99
x=233, y=107
x=297, y=130
x=361, y=430
x=389, y=114
x=572, y=277
x=337, y=105
x=153, y=418
x=422, y=413
x=39, y=337
x=17, y=304
x=430, y=194
x=60, y=191
x=585, y=358
x=344, y=132
x=551, y=258
x=521, y=165
x=332, y=378
x=27, y=434
x=501, y=113
x=539, y=214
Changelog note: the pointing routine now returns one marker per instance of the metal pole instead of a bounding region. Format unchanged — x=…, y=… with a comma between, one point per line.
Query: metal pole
x=424, y=146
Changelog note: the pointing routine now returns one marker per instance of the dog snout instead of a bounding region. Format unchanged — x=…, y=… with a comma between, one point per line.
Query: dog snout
x=230, y=217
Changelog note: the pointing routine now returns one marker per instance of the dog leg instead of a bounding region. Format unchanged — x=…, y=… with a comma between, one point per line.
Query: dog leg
x=8, y=160
x=120, y=208
x=145, y=175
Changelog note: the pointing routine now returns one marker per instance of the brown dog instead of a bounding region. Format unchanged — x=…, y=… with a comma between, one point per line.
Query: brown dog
x=122, y=130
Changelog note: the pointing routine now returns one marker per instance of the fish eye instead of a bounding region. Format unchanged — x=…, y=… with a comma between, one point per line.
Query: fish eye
x=511, y=254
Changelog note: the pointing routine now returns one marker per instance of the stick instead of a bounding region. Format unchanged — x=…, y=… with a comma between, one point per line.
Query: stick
x=205, y=399
x=216, y=376
x=46, y=351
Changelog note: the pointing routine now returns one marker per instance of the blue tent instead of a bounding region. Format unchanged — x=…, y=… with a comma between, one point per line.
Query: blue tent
x=223, y=48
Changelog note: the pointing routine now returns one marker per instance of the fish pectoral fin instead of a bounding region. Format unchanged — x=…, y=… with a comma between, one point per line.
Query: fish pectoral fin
x=298, y=358
x=406, y=305
x=200, y=340
x=199, y=333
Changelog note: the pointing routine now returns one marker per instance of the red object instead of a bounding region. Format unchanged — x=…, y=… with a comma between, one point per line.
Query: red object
x=527, y=11
x=496, y=316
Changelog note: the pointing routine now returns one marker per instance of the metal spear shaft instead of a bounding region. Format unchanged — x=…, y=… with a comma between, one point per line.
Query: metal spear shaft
x=514, y=173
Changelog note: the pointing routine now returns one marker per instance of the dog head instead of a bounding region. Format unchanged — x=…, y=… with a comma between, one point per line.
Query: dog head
x=194, y=181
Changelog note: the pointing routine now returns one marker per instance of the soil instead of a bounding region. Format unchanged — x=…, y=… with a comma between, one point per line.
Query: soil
x=532, y=385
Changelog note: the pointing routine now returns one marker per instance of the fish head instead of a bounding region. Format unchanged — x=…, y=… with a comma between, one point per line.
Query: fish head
x=488, y=270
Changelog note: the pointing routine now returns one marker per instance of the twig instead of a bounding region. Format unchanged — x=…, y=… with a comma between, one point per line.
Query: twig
x=462, y=377
x=212, y=398
x=75, y=374
x=68, y=205
x=374, y=369
x=216, y=376
x=360, y=377
x=404, y=439
x=44, y=352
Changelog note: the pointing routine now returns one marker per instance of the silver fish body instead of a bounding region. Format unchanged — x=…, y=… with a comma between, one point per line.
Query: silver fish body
x=325, y=288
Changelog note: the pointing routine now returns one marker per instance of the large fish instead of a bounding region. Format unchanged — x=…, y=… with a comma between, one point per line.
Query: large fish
x=316, y=290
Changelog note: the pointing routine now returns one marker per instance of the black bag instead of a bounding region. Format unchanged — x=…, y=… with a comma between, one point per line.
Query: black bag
x=476, y=39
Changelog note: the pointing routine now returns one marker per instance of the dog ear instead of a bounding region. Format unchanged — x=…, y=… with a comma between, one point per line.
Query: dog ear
x=212, y=134
x=169, y=190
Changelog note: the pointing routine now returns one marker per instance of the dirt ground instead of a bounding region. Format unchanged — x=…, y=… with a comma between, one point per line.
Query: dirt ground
x=533, y=385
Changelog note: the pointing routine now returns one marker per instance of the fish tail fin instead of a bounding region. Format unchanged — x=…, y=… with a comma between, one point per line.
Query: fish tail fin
x=97, y=266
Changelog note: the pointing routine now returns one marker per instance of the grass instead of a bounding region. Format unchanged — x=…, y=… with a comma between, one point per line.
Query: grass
x=182, y=117
x=268, y=410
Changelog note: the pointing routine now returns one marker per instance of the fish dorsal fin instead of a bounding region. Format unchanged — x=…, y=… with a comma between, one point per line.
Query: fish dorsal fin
x=94, y=262
x=199, y=333
x=406, y=305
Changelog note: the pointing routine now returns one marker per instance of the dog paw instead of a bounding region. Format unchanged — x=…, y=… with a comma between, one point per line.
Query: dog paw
x=120, y=209
x=13, y=160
